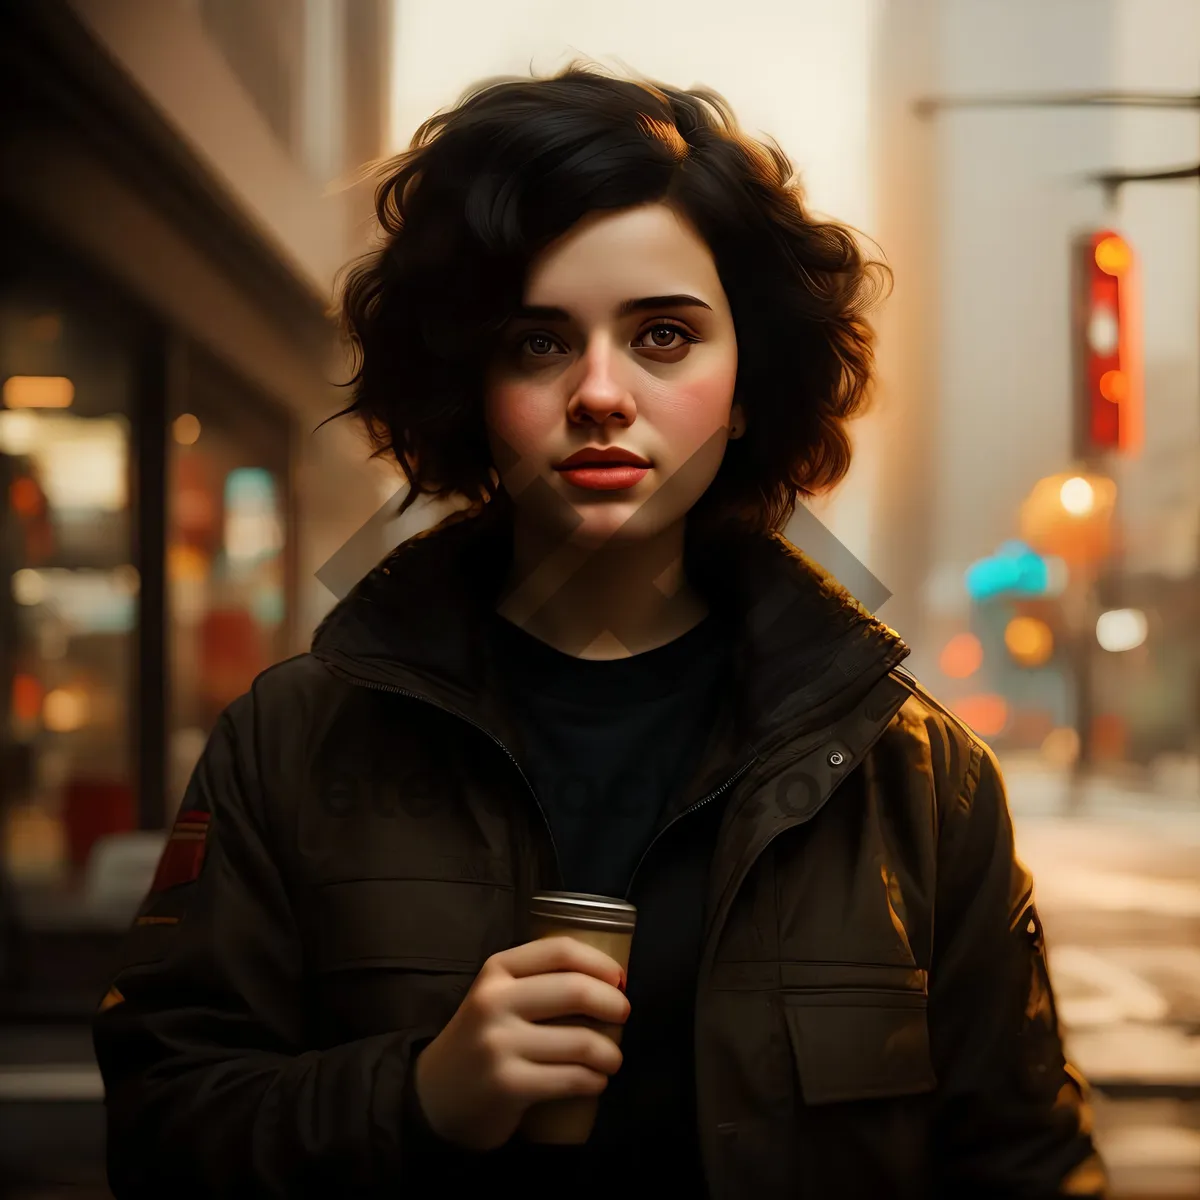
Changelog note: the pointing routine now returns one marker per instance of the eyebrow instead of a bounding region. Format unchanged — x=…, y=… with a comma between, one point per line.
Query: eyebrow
x=542, y=312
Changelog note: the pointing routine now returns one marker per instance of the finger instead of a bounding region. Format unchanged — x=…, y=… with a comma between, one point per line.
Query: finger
x=534, y=1082
x=560, y=953
x=568, y=1044
x=565, y=994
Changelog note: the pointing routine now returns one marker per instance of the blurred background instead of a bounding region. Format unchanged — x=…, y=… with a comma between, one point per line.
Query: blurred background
x=181, y=180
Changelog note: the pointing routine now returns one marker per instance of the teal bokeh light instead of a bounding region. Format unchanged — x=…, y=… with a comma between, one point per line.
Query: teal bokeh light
x=1016, y=569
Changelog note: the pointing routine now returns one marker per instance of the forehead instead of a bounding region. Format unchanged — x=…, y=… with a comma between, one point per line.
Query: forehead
x=609, y=257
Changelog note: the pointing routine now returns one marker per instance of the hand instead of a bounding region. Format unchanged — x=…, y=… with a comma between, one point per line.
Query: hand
x=475, y=1080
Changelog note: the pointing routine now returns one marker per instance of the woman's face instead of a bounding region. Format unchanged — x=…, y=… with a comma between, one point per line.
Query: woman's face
x=625, y=340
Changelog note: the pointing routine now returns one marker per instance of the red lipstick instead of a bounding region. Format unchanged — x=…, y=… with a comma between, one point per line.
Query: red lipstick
x=603, y=468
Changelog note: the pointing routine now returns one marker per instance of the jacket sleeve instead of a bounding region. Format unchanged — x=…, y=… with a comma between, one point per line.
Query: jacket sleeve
x=1013, y=1117
x=210, y=1087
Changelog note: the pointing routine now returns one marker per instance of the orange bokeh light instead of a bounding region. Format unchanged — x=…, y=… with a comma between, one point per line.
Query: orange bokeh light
x=986, y=713
x=1113, y=255
x=1114, y=386
x=1070, y=517
x=962, y=656
x=38, y=391
x=1060, y=747
x=26, y=698
x=1029, y=640
x=1110, y=735
x=24, y=497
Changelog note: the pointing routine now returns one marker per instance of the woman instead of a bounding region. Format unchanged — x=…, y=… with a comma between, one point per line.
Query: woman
x=605, y=317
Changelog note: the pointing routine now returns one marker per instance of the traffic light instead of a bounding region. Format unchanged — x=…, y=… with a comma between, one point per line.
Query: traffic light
x=1107, y=345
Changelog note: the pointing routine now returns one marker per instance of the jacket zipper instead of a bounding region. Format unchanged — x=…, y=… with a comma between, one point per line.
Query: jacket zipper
x=679, y=817
x=399, y=691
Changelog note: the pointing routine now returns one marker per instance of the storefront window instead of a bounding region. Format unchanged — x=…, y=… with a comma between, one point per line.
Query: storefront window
x=226, y=553
x=81, y=665
x=69, y=595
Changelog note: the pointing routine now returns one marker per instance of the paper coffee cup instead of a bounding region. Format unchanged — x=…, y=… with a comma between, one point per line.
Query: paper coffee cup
x=607, y=923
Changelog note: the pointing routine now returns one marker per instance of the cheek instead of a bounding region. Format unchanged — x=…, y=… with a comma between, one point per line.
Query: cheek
x=690, y=411
x=518, y=416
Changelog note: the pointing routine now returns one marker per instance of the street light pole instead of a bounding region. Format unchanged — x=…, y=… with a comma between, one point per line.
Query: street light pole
x=929, y=105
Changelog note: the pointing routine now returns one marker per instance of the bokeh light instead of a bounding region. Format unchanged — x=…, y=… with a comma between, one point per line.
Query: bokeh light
x=38, y=391
x=28, y=587
x=1078, y=496
x=985, y=713
x=1060, y=747
x=1029, y=640
x=24, y=497
x=186, y=429
x=18, y=431
x=1114, y=386
x=1122, y=629
x=1104, y=331
x=26, y=698
x=65, y=710
x=1113, y=255
x=962, y=656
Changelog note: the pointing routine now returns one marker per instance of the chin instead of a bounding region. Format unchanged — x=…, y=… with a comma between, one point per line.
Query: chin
x=614, y=524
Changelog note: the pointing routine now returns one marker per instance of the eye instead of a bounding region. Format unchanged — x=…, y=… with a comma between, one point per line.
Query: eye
x=664, y=337
x=539, y=345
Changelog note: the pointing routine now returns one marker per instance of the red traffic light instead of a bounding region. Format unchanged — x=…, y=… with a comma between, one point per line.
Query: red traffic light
x=1107, y=350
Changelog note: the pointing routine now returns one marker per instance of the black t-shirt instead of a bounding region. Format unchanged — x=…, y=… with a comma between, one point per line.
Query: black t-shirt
x=609, y=745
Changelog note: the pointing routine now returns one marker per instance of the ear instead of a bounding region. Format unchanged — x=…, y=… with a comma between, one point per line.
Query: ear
x=737, y=422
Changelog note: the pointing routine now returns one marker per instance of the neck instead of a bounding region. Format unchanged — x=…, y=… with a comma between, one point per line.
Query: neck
x=600, y=602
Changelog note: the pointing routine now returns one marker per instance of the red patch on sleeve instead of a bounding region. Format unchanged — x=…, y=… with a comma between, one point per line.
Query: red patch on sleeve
x=183, y=855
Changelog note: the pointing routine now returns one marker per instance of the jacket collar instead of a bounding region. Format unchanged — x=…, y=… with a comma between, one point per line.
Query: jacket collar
x=804, y=649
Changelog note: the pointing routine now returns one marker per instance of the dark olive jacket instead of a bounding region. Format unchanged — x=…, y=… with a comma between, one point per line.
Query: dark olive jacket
x=873, y=1014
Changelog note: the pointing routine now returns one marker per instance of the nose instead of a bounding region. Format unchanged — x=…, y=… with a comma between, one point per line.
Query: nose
x=600, y=393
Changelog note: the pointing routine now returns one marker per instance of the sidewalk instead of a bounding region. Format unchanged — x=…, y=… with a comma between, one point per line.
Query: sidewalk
x=1117, y=884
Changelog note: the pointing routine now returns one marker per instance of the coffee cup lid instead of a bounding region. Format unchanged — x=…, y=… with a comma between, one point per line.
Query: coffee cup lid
x=607, y=910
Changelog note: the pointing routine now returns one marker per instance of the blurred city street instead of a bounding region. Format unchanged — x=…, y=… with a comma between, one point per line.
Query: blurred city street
x=1118, y=888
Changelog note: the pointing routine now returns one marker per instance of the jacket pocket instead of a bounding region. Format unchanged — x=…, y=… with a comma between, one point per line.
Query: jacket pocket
x=862, y=1041
x=398, y=954
x=409, y=924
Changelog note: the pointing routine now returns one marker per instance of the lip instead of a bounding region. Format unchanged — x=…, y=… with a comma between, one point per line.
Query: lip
x=602, y=456
x=616, y=477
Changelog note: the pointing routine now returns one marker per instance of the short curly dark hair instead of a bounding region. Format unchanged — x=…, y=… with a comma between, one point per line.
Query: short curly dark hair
x=488, y=184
